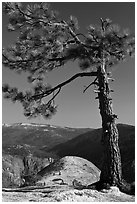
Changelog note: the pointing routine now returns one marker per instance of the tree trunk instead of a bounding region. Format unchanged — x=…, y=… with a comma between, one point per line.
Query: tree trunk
x=111, y=172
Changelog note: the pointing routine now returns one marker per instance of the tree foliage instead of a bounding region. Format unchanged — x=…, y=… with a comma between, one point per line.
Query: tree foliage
x=46, y=42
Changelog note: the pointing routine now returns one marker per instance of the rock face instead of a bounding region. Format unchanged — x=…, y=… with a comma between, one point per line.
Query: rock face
x=18, y=171
x=12, y=169
x=67, y=170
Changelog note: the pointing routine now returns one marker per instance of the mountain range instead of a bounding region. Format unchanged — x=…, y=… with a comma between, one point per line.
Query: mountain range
x=38, y=142
x=23, y=138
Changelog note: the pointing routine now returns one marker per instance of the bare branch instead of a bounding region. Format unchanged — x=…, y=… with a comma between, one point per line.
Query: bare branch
x=54, y=96
x=59, y=86
x=102, y=24
x=81, y=35
x=93, y=83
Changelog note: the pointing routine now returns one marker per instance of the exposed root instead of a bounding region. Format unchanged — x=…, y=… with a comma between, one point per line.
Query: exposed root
x=99, y=186
x=127, y=188
x=123, y=187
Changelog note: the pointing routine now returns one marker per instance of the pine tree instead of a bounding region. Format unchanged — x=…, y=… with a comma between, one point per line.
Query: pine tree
x=47, y=42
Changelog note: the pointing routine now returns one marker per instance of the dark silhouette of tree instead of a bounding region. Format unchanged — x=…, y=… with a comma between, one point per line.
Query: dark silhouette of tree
x=45, y=43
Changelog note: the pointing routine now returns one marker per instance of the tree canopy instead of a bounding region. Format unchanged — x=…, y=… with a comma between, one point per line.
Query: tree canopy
x=46, y=42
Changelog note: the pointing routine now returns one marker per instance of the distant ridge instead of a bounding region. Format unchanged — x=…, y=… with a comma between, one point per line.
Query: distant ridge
x=26, y=124
x=41, y=125
x=15, y=137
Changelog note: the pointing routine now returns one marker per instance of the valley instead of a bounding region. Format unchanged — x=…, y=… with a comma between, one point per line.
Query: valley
x=46, y=156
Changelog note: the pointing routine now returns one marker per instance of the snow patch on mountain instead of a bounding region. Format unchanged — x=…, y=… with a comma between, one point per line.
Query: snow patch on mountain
x=6, y=125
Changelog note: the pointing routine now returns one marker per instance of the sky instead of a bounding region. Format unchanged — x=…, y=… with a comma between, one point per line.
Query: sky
x=75, y=108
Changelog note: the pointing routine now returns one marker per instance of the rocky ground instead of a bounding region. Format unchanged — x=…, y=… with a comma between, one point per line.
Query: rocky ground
x=63, y=194
x=62, y=180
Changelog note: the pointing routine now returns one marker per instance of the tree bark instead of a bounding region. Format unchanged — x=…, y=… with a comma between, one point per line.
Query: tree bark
x=111, y=172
